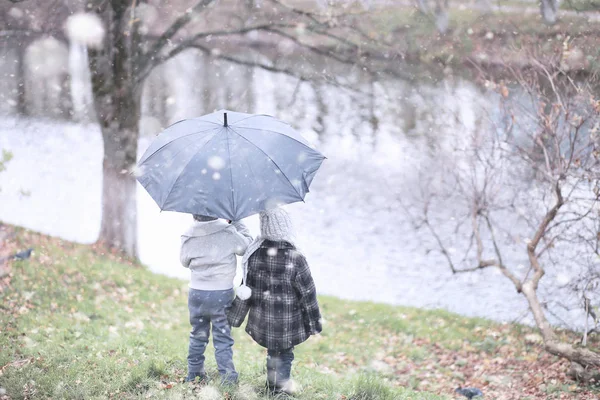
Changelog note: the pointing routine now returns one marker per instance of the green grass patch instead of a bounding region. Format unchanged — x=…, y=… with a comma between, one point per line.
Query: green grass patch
x=580, y=5
x=502, y=36
x=76, y=324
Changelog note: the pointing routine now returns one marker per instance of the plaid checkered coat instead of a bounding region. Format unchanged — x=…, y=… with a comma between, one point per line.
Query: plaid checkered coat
x=283, y=307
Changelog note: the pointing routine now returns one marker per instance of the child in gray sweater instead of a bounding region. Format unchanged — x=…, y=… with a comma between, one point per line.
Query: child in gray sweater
x=209, y=248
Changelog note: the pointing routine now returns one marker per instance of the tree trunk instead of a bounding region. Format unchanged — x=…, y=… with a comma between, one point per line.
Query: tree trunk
x=442, y=20
x=423, y=6
x=119, y=209
x=81, y=100
x=120, y=135
x=373, y=120
x=322, y=109
x=211, y=85
x=585, y=364
x=20, y=78
x=582, y=359
x=486, y=6
x=250, y=95
x=117, y=100
x=549, y=10
x=65, y=103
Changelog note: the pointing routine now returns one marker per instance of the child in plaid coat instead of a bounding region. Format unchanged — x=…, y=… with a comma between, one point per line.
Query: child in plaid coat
x=282, y=306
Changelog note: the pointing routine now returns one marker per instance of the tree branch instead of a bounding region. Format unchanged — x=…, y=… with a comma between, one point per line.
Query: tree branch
x=171, y=32
x=516, y=281
x=272, y=68
x=321, y=51
x=313, y=16
x=438, y=239
x=477, y=234
x=541, y=231
x=192, y=42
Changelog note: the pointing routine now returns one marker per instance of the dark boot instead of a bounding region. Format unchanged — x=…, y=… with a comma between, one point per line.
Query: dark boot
x=197, y=377
x=279, y=367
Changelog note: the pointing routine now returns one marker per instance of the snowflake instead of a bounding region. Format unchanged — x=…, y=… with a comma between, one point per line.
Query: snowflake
x=216, y=162
x=85, y=28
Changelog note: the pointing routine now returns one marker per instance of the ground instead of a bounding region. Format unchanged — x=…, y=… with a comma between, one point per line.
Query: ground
x=484, y=43
x=77, y=322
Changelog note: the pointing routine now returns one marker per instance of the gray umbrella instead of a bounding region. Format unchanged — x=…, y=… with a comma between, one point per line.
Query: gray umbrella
x=228, y=165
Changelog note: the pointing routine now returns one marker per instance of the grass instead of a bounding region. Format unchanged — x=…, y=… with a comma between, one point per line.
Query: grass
x=76, y=323
x=580, y=5
x=501, y=37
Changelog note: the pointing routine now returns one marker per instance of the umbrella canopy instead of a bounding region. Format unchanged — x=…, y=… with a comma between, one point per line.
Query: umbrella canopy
x=228, y=165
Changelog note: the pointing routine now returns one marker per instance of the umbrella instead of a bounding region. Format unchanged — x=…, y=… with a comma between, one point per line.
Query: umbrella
x=228, y=165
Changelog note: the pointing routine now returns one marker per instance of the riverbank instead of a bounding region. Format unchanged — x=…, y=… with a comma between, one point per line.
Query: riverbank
x=80, y=323
x=481, y=44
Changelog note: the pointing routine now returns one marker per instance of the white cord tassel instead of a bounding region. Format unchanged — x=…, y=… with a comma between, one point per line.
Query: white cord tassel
x=244, y=292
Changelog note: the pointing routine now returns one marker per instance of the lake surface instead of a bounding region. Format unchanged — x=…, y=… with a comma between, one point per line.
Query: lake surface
x=358, y=240
x=357, y=247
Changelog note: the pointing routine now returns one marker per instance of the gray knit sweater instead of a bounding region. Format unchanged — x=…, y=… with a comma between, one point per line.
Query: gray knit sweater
x=208, y=249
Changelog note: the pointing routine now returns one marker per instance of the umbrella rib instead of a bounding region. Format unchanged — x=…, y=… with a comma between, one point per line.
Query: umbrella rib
x=210, y=122
x=282, y=134
x=172, y=141
x=183, y=169
x=262, y=115
x=243, y=119
x=270, y=159
x=231, y=176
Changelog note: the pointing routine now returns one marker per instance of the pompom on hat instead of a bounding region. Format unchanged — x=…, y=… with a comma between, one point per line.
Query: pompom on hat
x=276, y=225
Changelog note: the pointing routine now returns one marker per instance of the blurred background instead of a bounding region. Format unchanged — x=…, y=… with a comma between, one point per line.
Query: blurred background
x=414, y=103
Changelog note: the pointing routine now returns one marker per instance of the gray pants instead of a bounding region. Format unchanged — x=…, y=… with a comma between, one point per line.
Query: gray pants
x=208, y=307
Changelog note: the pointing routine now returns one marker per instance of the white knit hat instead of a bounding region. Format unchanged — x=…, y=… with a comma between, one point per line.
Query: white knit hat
x=276, y=225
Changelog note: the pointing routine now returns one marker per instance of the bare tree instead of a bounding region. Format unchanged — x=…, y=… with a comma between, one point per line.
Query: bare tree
x=234, y=31
x=120, y=67
x=539, y=176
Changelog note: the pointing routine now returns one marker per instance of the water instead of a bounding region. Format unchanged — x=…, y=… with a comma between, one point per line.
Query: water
x=358, y=240
x=53, y=185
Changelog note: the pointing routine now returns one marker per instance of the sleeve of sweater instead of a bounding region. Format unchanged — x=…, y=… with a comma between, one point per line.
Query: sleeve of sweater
x=305, y=285
x=184, y=255
x=242, y=237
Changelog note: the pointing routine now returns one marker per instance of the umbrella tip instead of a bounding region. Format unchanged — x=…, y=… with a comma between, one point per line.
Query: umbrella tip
x=224, y=119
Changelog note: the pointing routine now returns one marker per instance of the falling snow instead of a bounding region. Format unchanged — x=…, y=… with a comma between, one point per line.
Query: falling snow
x=16, y=13
x=396, y=264
x=216, y=162
x=209, y=393
x=563, y=278
x=85, y=28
